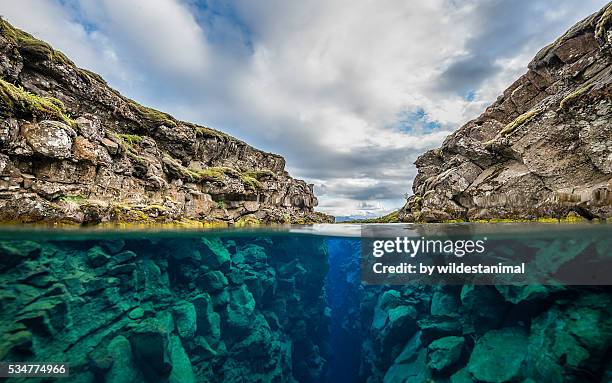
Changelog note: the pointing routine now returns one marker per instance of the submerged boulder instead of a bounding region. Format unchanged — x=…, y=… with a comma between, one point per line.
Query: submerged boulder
x=567, y=342
x=444, y=352
x=185, y=319
x=498, y=356
x=149, y=341
x=410, y=366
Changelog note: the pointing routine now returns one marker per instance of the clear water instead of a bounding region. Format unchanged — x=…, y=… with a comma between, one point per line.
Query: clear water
x=239, y=305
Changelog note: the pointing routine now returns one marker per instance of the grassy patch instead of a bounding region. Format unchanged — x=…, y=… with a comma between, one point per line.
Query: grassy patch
x=606, y=18
x=90, y=76
x=520, y=120
x=130, y=139
x=204, y=132
x=152, y=115
x=215, y=173
x=573, y=96
x=18, y=102
x=250, y=182
x=248, y=220
x=259, y=174
x=78, y=199
x=125, y=213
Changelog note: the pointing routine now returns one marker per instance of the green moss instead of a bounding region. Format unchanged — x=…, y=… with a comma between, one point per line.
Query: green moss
x=90, y=76
x=214, y=173
x=250, y=182
x=136, y=158
x=125, y=213
x=78, y=199
x=152, y=115
x=569, y=219
x=131, y=139
x=248, y=220
x=28, y=44
x=154, y=208
x=204, y=132
x=15, y=102
x=259, y=174
x=604, y=20
x=286, y=218
x=570, y=98
x=221, y=204
x=520, y=120
x=61, y=57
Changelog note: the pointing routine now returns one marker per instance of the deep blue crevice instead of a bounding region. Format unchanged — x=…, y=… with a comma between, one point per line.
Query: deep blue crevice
x=343, y=290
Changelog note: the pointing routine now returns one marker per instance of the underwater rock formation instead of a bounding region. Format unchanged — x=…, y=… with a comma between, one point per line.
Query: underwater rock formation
x=147, y=308
x=467, y=334
x=72, y=149
x=543, y=149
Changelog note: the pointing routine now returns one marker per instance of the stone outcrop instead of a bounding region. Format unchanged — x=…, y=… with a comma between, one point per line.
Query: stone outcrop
x=176, y=309
x=72, y=149
x=543, y=149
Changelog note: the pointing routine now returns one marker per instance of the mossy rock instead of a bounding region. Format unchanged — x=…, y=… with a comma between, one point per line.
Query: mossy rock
x=248, y=220
x=30, y=46
x=17, y=102
x=151, y=115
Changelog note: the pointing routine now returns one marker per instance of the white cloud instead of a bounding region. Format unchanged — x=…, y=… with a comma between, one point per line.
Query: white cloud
x=159, y=35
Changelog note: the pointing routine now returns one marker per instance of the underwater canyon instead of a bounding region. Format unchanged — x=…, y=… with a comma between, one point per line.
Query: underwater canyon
x=285, y=305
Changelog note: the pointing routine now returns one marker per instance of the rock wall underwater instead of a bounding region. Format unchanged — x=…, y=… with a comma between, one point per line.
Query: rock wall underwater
x=167, y=309
x=469, y=334
x=260, y=307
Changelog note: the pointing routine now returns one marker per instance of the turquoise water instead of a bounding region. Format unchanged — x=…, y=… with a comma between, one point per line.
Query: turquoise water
x=287, y=304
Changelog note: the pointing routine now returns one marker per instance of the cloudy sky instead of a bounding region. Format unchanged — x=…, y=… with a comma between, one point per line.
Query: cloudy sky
x=350, y=92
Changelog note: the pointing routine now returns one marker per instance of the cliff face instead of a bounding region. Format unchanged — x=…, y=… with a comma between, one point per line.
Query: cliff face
x=74, y=150
x=543, y=149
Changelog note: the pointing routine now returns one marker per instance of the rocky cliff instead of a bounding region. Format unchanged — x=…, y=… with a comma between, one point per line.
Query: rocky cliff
x=543, y=149
x=72, y=149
